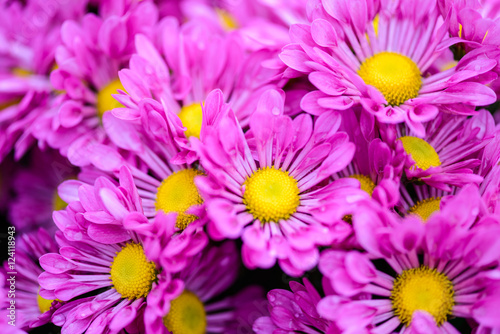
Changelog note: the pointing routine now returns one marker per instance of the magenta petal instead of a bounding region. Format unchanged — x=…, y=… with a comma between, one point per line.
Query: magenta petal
x=55, y=263
x=113, y=36
x=108, y=234
x=123, y=318
x=485, y=311
x=70, y=114
x=323, y=33
x=121, y=132
x=359, y=268
x=423, y=323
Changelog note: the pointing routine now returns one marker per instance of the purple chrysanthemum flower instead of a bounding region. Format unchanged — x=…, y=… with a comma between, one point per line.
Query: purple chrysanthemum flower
x=293, y=311
x=28, y=32
x=190, y=302
x=102, y=270
x=92, y=52
x=35, y=191
x=474, y=21
x=154, y=167
x=266, y=186
x=31, y=309
x=423, y=199
x=424, y=275
x=449, y=152
x=167, y=88
x=379, y=55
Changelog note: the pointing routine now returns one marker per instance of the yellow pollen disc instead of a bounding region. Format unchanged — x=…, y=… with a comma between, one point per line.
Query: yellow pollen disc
x=58, y=203
x=177, y=193
x=187, y=315
x=424, y=155
x=43, y=304
x=422, y=289
x=21, y=72
x=227, y=20
x=131, y=273
x=366, y=183
x=191, y=117
x=271, y=195
x=396, y=76
x=107, y=102
x=424, y=209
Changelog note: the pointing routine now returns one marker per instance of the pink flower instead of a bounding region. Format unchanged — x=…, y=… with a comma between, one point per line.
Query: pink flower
x=378, y=56
x=449, y=152
x=197, y=290
x=444, y=263
x=270, y=186
x=92, y=52
x=167, y=85
x=31, y=309
x=28, y=34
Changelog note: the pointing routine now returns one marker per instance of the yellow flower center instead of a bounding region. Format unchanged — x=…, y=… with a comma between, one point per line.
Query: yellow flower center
x=187, y=315
x=227, y=20
x=191, y=117
x=366, y=182
x=107, y=102
x=21, y=72
x=424, y=209
x=43, y=304
x=58, y=203
x=131, y=273
x=424, y=155
x=422, y=289
x=396, y=76
x=271, y=195
x=177, y=193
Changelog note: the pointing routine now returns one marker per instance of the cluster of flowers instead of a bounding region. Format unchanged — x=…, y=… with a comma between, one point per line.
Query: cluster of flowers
x=154, y=153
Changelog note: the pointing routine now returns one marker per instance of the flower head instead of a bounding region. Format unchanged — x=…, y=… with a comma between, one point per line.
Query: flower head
x=426, y=274
x=270, y=186
x=380, y=59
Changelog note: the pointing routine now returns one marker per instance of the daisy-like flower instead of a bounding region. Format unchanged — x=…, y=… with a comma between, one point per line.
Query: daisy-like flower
x=423, y=199
x=293, y=311
x=167, y=87
x=149, y=163
x=266, y=186
x=190, y=301
x=380, y=59
x=474, y=21
x=416, y=277
x=31, y=309
x=93, y=50
x=28, y=32
x=449, y=152
x=102, y=271
x=35, y=191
